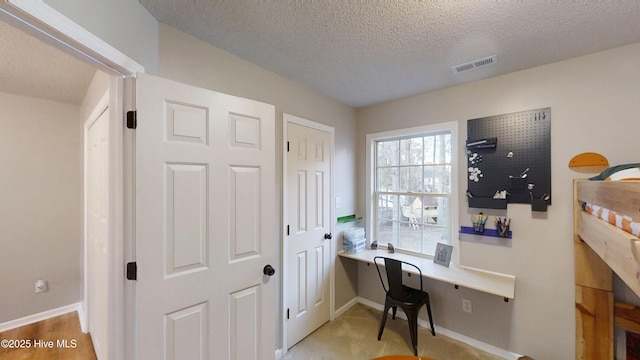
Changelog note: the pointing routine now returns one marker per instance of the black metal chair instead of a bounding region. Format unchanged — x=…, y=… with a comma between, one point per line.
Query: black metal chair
x=399, y=295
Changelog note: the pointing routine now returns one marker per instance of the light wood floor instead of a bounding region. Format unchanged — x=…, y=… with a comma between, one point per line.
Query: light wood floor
x=54, y=332
x=354, y=336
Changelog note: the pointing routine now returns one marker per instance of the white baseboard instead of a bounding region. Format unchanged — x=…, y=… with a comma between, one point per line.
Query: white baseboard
x=505, y=354
x=372, y=304
x=30, y=319
x=346, y=306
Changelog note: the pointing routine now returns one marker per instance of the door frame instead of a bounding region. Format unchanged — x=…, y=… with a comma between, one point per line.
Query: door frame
x=286, y=120
x=50, y=26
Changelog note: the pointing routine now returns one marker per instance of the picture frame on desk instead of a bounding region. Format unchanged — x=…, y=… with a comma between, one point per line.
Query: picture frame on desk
x=443, y=254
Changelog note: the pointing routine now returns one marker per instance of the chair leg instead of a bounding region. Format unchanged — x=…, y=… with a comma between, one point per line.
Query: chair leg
x=412, y=317
x=394, y=310
x=383, y=321
x=433, y=330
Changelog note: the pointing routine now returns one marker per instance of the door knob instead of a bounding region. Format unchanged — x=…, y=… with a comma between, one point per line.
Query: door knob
x=327, y=236
x=268, y=270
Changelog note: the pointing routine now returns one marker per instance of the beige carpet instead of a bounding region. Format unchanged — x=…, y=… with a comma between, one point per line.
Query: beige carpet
x=354, y=335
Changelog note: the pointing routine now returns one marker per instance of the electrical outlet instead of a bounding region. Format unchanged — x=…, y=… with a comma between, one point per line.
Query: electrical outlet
x=466, y=306
x=41, y=286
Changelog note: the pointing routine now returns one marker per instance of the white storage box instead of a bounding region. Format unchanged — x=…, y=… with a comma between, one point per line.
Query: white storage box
x=353, y=235
x=355, y=248
x=354, y=240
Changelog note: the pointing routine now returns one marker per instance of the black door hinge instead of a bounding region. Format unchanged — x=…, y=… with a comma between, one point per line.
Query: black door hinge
x=287, y=314
x=132, y=270
x=132, y=120
x=287, y=229
x=287, y=146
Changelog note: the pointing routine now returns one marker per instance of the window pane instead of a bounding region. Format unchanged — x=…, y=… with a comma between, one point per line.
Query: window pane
x=437, y=178
x=411, y=179
x=387, y=153
x=443, y=179
x=429, y=179
x=436, y=210
x=388, y=232
x=429, y=150
x=443, y=149
x=411, y=209
x=424, y=223
x=432, y=235
x=411, y=151
x=410, y=237
x=436, y=219
x=387, y=179
x=388, y=208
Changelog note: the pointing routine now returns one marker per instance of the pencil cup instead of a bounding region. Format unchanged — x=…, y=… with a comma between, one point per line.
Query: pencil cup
x=478, y=227
x=503, y=231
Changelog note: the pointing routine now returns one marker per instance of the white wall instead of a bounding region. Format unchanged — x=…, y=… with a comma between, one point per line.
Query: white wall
x=40, y=205
x=186, y=59
x=594, y=107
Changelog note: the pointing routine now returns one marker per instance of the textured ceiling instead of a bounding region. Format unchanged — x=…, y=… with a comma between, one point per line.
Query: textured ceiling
x=29, y=67
x=364, y=52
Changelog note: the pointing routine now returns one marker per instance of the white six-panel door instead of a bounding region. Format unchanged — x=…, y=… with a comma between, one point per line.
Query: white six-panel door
x=205, y=217
x=308, y=252
x=97, y=193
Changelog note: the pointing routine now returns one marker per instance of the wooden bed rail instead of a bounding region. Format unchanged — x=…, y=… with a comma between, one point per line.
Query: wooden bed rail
x=627, y=317
x=600, y=249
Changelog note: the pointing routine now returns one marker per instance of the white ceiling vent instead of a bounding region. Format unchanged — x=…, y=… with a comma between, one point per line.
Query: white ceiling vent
x=475, y=64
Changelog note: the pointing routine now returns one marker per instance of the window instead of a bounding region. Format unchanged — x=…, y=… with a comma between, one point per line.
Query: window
x=412, y=180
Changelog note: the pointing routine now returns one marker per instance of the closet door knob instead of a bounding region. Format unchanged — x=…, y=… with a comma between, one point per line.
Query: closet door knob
x=328, y=236
x=268, y=270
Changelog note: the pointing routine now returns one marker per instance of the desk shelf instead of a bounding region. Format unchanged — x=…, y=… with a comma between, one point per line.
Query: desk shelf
x=490, y=282
x=487, y=232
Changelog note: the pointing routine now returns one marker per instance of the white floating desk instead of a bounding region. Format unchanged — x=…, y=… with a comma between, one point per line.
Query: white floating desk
x=481, y=280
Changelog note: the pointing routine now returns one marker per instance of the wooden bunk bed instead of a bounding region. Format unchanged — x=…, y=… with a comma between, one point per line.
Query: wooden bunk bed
x=601, y=249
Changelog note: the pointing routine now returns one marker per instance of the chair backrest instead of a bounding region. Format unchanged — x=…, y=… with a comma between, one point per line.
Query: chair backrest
x=393, y=269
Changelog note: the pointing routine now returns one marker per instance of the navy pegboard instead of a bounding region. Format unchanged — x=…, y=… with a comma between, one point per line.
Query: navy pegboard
x=527, y=136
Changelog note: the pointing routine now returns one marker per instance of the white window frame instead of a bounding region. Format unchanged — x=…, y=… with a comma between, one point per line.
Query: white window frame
x=372, y=139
